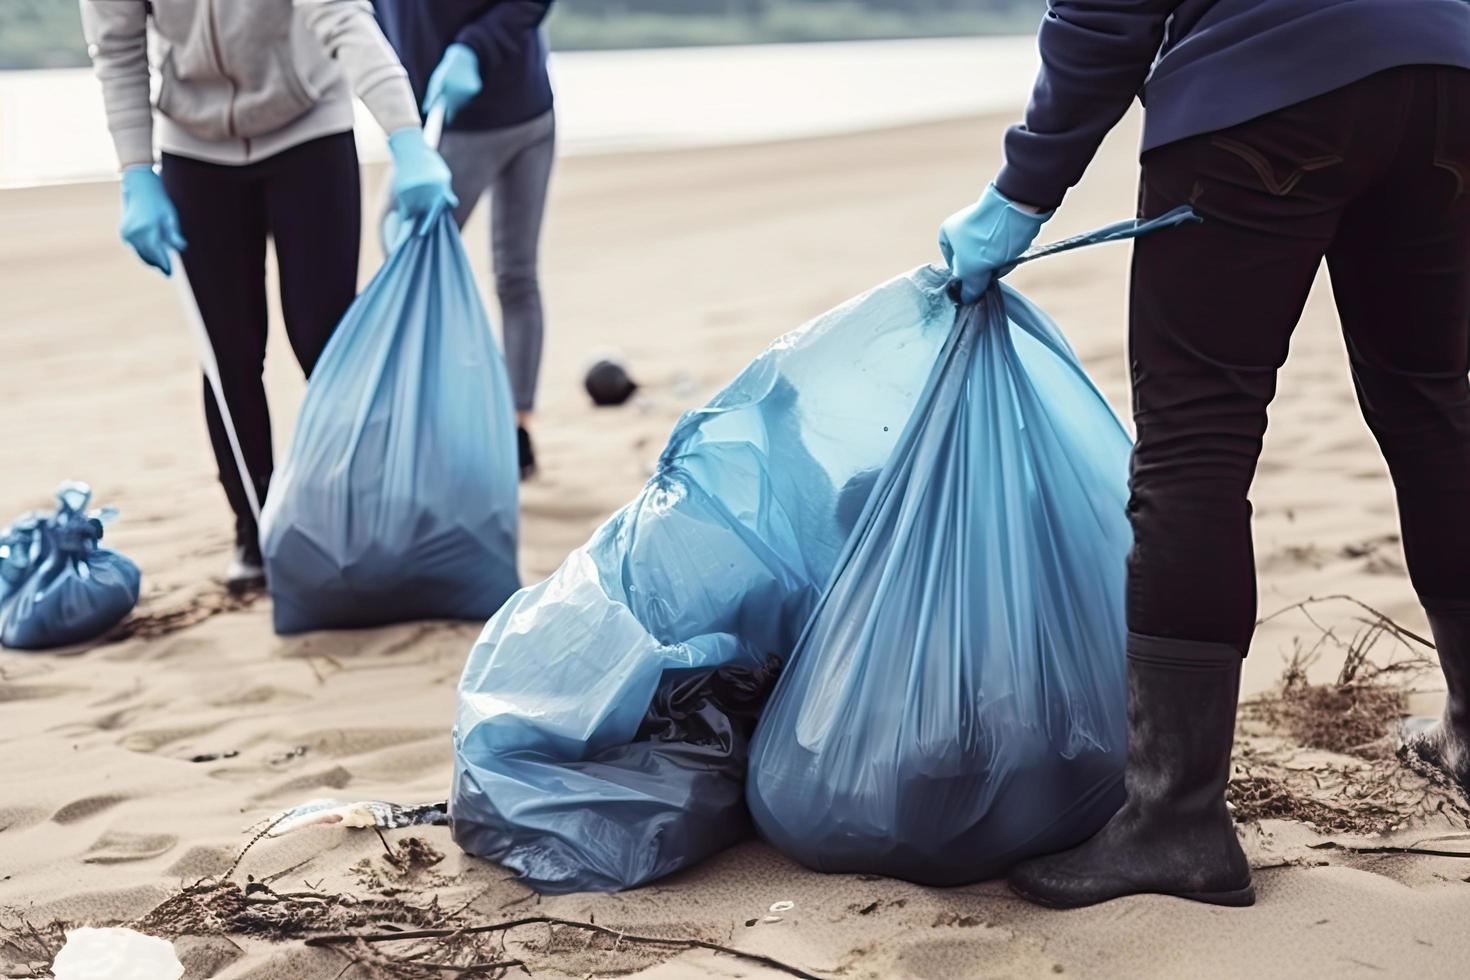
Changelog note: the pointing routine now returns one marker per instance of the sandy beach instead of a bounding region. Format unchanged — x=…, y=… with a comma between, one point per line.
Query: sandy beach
x=688, y=263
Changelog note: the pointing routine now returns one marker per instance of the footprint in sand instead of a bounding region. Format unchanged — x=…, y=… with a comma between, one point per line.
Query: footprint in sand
x=955, y=955
x=151, y=740
x=261, y=695
x=339, y=742
x=87, y=806
x=32, y=692
x=121, y=718
x=20, y=817
x=121, y=846
x=334, y=778
x=200, y=862
x=175, y=648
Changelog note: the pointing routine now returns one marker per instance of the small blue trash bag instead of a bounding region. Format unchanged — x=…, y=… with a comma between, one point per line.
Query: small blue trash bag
x=58, y=586
x=957, y=701
x=605, y=714
x=22, y=546
x=398, y=497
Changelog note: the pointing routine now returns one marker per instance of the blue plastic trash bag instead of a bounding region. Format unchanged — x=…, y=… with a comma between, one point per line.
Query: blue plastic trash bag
x=398, y=497
x=957, y=702
x=22, y=546
x=604, y=713
x=58, y=586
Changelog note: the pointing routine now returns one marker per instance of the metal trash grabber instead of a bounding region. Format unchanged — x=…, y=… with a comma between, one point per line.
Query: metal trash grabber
x=210, y=365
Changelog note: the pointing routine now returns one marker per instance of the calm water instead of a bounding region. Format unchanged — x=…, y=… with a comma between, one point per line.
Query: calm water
x=52, y=127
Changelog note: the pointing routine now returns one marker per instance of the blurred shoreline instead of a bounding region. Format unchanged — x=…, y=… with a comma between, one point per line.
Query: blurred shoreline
x=53, y=130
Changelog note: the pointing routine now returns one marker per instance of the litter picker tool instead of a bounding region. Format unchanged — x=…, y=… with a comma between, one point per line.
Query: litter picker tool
x=210, y=364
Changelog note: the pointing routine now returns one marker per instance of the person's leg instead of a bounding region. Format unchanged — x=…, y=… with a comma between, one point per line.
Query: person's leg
x=517, y=205
x=1213, y=307
x=315, y=213
x=222, y=216
x=1401, y=275
x=474, y=158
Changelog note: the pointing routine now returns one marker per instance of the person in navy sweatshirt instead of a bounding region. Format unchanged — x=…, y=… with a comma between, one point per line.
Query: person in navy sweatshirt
x=1299, y=130
x=484, y=62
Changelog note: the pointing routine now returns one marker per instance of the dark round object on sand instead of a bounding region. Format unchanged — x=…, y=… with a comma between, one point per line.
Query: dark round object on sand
x=608, y=383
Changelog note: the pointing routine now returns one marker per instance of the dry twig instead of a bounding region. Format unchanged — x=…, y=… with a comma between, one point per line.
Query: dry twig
x=549, y=920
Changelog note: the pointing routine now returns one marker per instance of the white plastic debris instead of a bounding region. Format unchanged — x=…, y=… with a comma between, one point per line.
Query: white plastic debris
x=116, y=954
x=782, y=906
x=365, y=813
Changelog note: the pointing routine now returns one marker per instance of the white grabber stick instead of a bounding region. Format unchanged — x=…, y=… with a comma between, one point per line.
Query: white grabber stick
x=210, y=365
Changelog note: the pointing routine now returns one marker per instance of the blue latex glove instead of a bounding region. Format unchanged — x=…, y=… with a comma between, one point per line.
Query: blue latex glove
x=455, y=81
x=986, y=237
x=149, y=222
x=421, y=180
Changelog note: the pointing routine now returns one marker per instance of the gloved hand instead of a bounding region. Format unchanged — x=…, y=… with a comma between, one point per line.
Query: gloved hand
x=421, y=180
x=455, y=81
x=987, y=236
x=149, y=222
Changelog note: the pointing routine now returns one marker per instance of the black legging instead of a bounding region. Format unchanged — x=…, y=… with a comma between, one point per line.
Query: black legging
x=307, y=201
x=1375, y=177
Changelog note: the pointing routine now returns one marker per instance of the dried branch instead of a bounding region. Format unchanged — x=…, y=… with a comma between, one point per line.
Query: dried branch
x=686, y=943
x=1333, y=845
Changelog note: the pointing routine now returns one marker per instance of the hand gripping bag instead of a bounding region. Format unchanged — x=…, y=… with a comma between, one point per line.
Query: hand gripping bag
x=58, y=586
x=398, y=497
x=604, y=714
x=957, y=701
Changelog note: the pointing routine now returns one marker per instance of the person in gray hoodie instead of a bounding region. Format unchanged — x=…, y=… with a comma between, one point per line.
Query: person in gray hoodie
x=255, y=117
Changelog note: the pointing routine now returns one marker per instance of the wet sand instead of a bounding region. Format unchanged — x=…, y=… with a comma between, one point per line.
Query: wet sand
x=689, y=263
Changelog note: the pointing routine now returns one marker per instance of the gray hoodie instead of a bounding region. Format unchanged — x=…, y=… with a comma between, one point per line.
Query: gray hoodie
x=240, y=80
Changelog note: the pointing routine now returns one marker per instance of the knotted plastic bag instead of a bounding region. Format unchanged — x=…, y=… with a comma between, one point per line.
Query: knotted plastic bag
x=398, y=497
x=22, y=546
x=957, y=701
x=707, y=578
x=58, y=585
x=604, y=714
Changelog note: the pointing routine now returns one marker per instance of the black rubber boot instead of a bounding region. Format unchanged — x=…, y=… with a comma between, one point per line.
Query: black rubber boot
x=1444, y=742
x=525, y=453
x=1173, y=835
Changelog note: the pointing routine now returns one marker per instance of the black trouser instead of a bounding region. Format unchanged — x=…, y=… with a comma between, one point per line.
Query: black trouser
x=1375, y=177
x=307, y=201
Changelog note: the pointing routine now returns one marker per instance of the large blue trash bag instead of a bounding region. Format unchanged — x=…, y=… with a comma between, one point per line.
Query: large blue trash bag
x=957, y=701
x=398, y=497
x=601, y=735
x=58, y=586
x=604, y=715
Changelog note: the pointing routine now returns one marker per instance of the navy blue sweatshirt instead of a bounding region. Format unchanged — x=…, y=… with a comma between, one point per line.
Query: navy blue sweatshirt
x=1204, y=65
x=507, y=40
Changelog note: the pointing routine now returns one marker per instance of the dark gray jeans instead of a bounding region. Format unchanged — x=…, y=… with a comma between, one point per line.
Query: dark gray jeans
x=514, y=165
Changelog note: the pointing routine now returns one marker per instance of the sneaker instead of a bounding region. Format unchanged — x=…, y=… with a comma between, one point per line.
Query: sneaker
x=246, y=571
x=525, y=453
